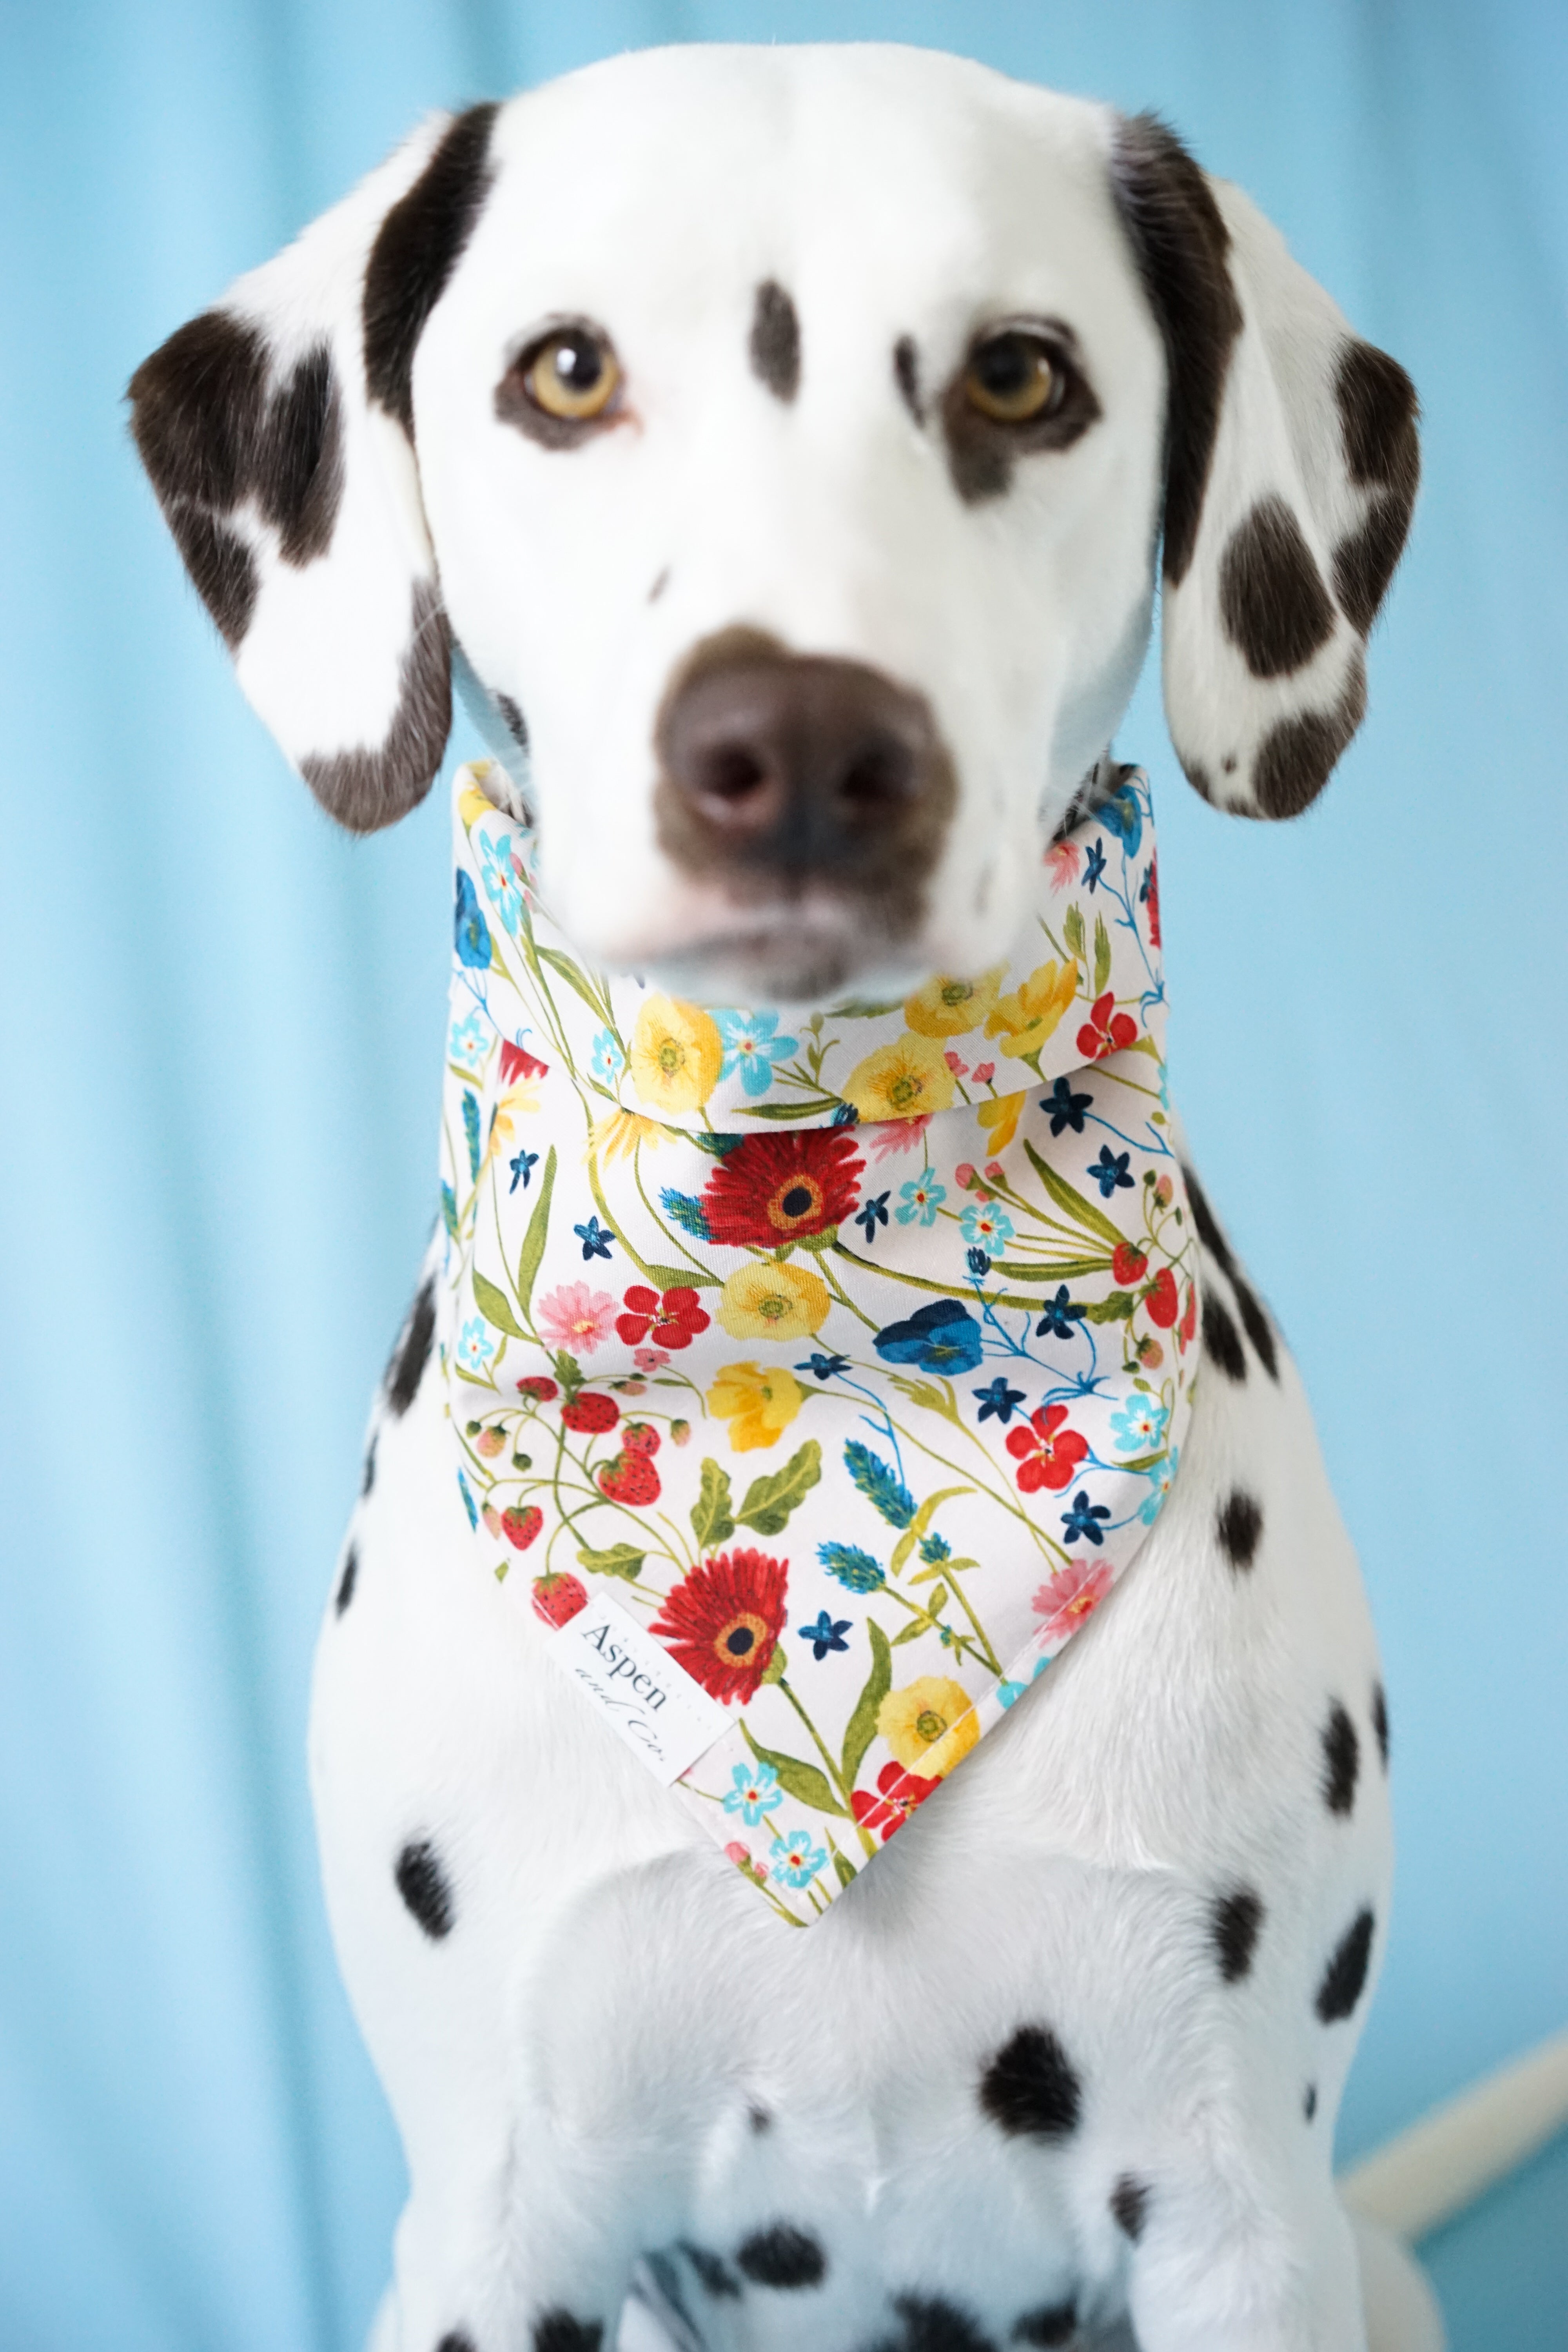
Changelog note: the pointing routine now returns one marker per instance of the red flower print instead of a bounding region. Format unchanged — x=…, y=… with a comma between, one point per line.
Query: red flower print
x=557, y=1597
x=985, y=1072
x=521, y=1523
x=902, y=1791
x=1047, y=1453
x=1153, y=896
x=1161, y=1299
x=515, y=1064
x=1078, y=1587
x=1106, y=1031
x=781, y=1188
x=674, y=1317
x=629, y=1478
x=956, y=1063
x=590, y=1412
x=542, y=1390
x=1190, y=1319
x=723, y=1621
x=1127, y=1264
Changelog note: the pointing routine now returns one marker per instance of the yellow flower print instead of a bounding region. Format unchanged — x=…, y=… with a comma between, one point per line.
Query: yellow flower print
x=758, y=1405
x=946, y=1007
x=472, y=804
x=1021, y=1022
x=773, y=1302
x=521, y=1098
x=618, y=1137
x=676, y=1054
x=1000, y=1119
x=903, y=1080
x=930, y=1725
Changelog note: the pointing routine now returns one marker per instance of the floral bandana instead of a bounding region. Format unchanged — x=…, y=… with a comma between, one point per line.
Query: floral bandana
x=831, y=1365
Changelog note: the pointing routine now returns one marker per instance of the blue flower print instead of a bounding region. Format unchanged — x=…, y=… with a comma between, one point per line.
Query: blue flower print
x=687, y=1211
x=851, y=1567
x=500, y=882
x=596, y=1239
x=606, y=1061
x=1109, y=1171
x=1094, y=866
x=469, y=1505
x=1010, y=1693
x=941, y=1337
x=1084, y=1519
x=796, y=1859
x=879, y=1484
x=756, y=1792
x=999, y=1402
x=471, y=1130
x=751, y=1047
x=475, y=1346
x=1139, y=1425
x=985, y=1223
x=522, y=1168
x=934, y=1549
x=824, y=1636
x=468, y=1044
x=872, y=1213
x=1161, y=1478
x=449, y=1210
x=845, y=1115
x=1065, y=1108
x=1123, y=817
x=825, y=1368
x=1058, y=1316
x=979, y=1264
x=472, y=931
x=922, y=1197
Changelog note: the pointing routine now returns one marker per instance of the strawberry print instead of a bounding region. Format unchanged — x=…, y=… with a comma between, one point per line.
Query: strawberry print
x=557, y=1597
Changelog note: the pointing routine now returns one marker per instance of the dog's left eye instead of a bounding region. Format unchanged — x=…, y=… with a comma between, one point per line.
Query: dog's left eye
x=1013, y=377
x=573, y=374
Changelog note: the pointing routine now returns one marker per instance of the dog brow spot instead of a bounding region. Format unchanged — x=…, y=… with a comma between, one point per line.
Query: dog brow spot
x=907, y=376
x=1345, y=1976
x=1029, y=2088
x=1272, y=599
x=1221, y=1340
x=423, y=1884
x=1342, y=1759
x=1129, y=2205
x=412, y=1353
x=348, y=1579
x=1234, y=1924
x=1054, y=2323
x=1239, y=1525
x=782, y=2257
x=776, y=341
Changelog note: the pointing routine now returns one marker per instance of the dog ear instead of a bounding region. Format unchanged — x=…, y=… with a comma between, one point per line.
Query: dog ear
x=278, y=430
x=1291, y=470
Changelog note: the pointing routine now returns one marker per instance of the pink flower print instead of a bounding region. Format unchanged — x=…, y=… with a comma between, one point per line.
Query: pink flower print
x=577, y=1317
x=650, y=1359
x=1073, y=1593
x=886, y=1135
x=956, y=1063
x=1062, y=862
x=983, y=1073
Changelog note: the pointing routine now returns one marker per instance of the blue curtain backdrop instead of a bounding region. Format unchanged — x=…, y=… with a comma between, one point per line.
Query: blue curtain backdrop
x=212, y=1230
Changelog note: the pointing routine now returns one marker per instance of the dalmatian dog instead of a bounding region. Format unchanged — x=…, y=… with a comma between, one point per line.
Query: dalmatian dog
x=916, y=378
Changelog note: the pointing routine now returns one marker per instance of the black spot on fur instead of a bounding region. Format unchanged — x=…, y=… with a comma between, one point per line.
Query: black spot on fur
x=1310, y=2103
x=1380, y=1721
x=367, y=1475
x=1029, y=2087
x=760, y=2119
x=1378, y=410
x=1054, y=2323
x=422, y=1882
x=933, y=2324
x=516, y=724
x=415, y=250
x=558, y=2331
x=412, y=1353
x=1129, y=2205
x=196, y=405
x=222, y=568
x=1209, y=1231
x=713, y=2271
x=774, y=345
x=782, y=2257
x=1234, y=1924
x=907, y=376
x=457, y=2339
x=1342, y=1759
x=1254, y=1323
x=1364, y=561
x=982, y=451
x=1221, y=1340
x=300, y=470
x=1272, y=599
x=1296, y=758
x=1178, y=244
x=1240, y=1525
x=1345, y=1975
x=348, y=1579
x=366, y=790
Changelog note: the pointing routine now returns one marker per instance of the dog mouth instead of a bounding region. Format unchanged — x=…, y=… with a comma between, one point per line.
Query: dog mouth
x=791, y=960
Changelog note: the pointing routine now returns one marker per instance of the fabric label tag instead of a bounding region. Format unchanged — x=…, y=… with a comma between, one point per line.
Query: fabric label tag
x=646, y=1699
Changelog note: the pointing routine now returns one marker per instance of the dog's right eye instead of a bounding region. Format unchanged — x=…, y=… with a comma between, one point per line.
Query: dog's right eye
x=572, y=374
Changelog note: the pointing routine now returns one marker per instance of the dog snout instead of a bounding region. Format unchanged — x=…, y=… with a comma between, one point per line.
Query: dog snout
x=781, y=770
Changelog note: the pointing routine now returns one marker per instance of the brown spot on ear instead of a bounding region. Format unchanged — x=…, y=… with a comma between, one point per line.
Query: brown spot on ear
x=776, y=341
x=1272, y=599
x=220, y=564
x=299, y=462
x=1378, y=410
x=1179, y=243
x=366, y=790
x=415, y=251
x=1364, y=563
x=1296, y=759
x=195, y=417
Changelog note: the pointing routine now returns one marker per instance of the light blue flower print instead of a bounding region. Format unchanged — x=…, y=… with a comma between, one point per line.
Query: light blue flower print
x=756, y=1792
x=1140, y=1426
x=751, y=1046
x=468, y=1044
x=1161, y=1478
x=797, y=1860
x=986, y=1225
x=1010, y=1693
x=475, y=1347
x=501, y=883
x=922, y=1196
x=606, y=1061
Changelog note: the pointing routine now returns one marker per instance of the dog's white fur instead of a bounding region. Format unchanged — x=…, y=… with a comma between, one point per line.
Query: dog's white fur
x=579, y=2066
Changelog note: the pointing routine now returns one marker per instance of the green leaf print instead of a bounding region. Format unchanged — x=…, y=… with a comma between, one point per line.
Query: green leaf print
x=712, y=1517
x=683, y=1277
x=531, y=1255
x=919, y=1523
x=1072, y=1204
x=1101, y=955
x=492, y=1304
x=575, y=978
x=1056, y=1269
x=1117, y=1308
x=799, y=1779
x=621, y=1559
x=843, y=1868
x=769, y=1501
x=861, y=1729
x=1072, y=931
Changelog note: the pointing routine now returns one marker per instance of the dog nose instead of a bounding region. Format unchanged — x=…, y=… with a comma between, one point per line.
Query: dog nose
x=788, y=767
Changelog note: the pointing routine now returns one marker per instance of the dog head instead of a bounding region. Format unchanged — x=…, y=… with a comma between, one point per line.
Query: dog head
x=785, y=441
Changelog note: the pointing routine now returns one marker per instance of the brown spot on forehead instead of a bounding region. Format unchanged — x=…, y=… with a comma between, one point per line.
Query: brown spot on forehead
x=776, y=341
